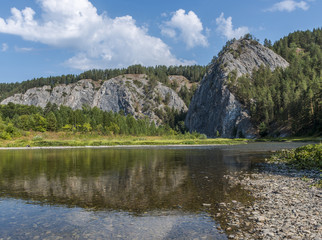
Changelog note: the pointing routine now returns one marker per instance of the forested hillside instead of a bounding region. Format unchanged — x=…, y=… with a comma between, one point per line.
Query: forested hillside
x=290, y=99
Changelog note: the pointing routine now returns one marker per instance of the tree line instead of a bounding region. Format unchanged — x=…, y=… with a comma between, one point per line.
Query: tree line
x=16, y=119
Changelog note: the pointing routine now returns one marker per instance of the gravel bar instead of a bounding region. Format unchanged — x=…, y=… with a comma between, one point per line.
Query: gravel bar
x=286, y=206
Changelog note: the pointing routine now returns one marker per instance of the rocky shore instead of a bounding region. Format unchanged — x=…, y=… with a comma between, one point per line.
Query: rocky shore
x=287, y=205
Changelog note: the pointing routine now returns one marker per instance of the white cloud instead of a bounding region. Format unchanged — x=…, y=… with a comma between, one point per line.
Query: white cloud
x=225, y=27
x=170, y=32
x=4, y=47
x=23, y=49
x=98, y=40
x=186, y=27
x=289, y=6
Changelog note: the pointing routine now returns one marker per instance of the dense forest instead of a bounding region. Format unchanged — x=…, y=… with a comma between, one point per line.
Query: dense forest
x=16, y=120
x=290, y=98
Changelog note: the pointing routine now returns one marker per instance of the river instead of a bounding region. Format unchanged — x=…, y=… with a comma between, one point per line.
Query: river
x=123, y=193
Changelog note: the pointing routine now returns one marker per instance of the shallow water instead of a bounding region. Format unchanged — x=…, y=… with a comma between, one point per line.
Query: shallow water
x=125, y=193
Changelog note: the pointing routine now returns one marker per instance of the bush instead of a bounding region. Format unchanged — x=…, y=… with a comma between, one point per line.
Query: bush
x=4, y=135
x=37, y=138
x=68, y=128
x=306, y=157
x=203, y=136
x=263, y=129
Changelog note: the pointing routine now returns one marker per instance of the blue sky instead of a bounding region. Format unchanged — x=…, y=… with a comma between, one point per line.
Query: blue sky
x=41, y=38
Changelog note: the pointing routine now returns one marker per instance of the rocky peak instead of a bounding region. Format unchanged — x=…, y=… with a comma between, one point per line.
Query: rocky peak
x=246, y=55
x=214, y=110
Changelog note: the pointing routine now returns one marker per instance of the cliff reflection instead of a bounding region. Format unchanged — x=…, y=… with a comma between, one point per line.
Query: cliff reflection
x=119, y=179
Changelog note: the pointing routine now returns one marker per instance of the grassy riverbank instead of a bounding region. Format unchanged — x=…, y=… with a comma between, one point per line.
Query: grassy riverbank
x=50, y=139
x=65, y=139
x=290, y=139
x=308, y=157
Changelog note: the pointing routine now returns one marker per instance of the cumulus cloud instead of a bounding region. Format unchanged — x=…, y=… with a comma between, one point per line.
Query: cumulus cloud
x=186, y=27
x=98, y=40
x=289, y=6
x=226, y=28
x=4, y=47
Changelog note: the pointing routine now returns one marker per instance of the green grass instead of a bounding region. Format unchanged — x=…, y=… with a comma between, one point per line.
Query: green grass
x=290, y=139
x=318, y=184
x=113, y=142
x=67, y=139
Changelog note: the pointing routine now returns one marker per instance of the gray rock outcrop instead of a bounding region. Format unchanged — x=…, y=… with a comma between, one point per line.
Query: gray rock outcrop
x=214, y=109
x=132, y=93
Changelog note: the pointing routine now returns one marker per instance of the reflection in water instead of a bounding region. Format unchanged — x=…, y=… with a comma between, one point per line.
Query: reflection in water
x=126, y=179
x=152, y=193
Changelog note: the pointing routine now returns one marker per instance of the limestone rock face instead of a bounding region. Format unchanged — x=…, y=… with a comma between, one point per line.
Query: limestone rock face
x=131, y=93
x=72, y=95
x=214, y=108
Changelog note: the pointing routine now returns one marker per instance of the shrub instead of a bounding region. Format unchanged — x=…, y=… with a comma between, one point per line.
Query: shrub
x=37, y=138
x=4, y=135
x=203, y=136
x=306, y=157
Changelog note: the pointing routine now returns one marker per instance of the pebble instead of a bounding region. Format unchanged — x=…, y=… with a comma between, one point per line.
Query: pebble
x=261, y=219
x=285, y=205
x=206, y=204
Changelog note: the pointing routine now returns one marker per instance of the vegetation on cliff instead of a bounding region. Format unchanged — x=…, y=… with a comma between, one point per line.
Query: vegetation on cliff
x=214, y=107
x=288, y=99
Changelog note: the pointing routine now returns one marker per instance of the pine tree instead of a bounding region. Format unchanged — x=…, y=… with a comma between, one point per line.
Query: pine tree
x=51, y=122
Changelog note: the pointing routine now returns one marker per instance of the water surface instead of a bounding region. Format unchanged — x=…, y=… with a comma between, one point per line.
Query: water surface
x=121, y=193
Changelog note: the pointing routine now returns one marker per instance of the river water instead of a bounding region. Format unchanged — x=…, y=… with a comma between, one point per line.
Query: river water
x=122, y=193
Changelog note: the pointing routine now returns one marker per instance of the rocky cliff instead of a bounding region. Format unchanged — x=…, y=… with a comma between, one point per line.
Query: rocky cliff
x=214, y=109
x=133, y=93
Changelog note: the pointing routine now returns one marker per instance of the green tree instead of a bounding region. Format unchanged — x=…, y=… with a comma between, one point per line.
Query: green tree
x=51, y=122
x=86, y=127
x=26, y=122
x=40, y=123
